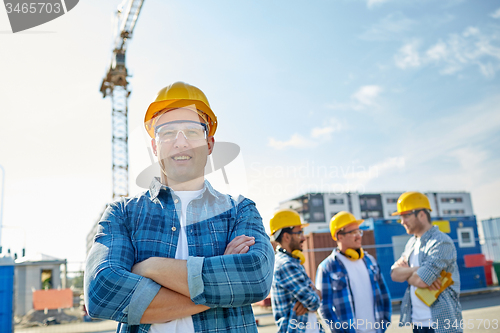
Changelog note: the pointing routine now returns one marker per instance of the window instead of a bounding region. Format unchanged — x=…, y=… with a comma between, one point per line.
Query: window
x=374, y=213
x=336, y=201
x=392, y=200
x=318, y=216
x=453, y=212
x=46, y=279
x=466, y=237
x=451, y=200
x=368, y=202
x=316, y=201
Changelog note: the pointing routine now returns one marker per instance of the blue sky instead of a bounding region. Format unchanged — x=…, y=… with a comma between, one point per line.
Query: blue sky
x=359, y=95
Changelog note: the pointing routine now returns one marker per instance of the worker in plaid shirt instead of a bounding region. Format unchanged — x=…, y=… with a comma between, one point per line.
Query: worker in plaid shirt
x=293, y=295
x=355, y=296
x=426, y=255
x=181, y=257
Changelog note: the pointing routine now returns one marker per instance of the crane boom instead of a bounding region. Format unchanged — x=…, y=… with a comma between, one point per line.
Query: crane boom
x=115, y=84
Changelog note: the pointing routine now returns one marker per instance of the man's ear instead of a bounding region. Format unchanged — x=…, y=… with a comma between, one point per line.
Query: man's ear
x=211, y=144
x=153, y=145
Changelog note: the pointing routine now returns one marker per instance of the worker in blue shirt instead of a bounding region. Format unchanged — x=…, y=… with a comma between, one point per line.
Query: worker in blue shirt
x=293, y=296
x=355, y=296
x=180, y=257
x=427, y=254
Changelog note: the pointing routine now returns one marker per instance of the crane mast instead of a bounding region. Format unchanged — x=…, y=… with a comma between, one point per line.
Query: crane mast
x=115, y=85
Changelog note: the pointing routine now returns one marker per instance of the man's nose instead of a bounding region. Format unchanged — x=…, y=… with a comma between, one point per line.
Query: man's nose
x=181, y=139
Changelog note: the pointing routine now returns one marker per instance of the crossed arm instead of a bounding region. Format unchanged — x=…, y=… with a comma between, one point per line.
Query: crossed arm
x=402, y=272
x=173, y=299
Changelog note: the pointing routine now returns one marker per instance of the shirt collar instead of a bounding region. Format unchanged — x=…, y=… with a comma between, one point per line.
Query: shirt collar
x=428, y=234
x=156, y=186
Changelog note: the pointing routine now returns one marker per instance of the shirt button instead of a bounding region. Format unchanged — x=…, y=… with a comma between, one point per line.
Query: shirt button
x=174, y=228
x=176, y=200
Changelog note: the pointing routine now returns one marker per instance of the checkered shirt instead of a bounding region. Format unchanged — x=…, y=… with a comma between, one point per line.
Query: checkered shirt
x=337, y=305
x=291, y=284
x=437, y=252
x=147, y=225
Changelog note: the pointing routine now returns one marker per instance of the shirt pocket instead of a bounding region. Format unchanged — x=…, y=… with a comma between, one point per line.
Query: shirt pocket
x=339, y=281
x=211, y=237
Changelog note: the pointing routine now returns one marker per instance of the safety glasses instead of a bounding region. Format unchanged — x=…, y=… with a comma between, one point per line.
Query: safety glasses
x=352, y=232
x=192, y=130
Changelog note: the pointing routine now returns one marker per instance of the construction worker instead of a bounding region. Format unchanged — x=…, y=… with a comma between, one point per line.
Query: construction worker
x=293, y=295
x=355, y=296
x=426, y=255
x=180, y=257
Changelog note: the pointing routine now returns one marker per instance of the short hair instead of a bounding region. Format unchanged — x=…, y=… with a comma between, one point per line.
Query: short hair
x=426, y=212
x=281, y=232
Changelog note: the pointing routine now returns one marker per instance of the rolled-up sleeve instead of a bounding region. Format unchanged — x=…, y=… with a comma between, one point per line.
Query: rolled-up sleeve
x=239, y=279
x=111, y=290
x=440, y=256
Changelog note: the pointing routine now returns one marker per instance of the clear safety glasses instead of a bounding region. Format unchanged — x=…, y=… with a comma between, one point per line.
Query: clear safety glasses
x=352, y=232
x=192, y=130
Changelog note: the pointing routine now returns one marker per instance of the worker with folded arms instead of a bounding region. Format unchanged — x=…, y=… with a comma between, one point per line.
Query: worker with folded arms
x=293, y=295
x=355, y=296
x=427, y=255
x=180, y=257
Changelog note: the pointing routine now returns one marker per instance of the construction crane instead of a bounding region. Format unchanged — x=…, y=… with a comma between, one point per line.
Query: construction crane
x=115, y=84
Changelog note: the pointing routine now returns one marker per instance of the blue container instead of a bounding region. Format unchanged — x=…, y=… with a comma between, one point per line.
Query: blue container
x=6, y=294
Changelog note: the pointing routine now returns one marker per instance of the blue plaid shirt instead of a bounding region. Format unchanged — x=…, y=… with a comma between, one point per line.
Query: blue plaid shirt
x=437, y=253
x=147, y=225
x=337, y=306
x=291, y=284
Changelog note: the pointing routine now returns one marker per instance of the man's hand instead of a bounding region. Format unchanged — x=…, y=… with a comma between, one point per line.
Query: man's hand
x=239, y=245
x=401, y=263
x=436, y=285
x=299, y=309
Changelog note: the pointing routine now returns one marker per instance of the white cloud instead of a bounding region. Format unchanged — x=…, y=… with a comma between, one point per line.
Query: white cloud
x=459, y=51
x=318, y=135
x=296, y=141
x=408, y=56
x=393, y=26
x=322, y=132
x=437, y=52
x=496, y=14
x=372, y=3
x=377, y=169
x=365, y=96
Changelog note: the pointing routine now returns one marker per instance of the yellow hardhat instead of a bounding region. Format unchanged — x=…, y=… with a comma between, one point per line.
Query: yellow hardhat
x=285, y=218
x=340, y=220
x=409, y=201
x=178, y=95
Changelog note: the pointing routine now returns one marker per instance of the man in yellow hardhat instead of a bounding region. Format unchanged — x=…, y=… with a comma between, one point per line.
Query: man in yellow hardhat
x=428, y=253
x=355, y=296
x=293, y=295
x=181, y=257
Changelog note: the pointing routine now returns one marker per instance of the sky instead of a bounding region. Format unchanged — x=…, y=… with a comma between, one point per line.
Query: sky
x=329, y=96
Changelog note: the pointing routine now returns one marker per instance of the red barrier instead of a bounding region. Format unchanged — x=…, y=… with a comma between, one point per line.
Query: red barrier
x=52, y=299
x=474, y=260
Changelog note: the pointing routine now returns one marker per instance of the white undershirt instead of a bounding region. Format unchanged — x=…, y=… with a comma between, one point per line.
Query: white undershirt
x=420, y=313
x=312, y=320
x=362, y=293
x=183, y=325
